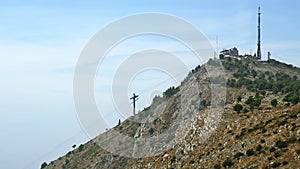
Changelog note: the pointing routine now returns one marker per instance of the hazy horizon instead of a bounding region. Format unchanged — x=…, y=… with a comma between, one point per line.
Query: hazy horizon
x=40, y=42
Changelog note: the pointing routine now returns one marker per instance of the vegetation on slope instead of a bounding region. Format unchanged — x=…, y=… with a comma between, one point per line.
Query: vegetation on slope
x=268, y=136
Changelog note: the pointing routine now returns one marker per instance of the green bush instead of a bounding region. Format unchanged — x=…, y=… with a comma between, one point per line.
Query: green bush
x=274, y=102
x=203, y=103
x=217, y=166
x=293, y=97
x=44, y=165
x=250, y=152
x=245, y=110
x=239, y=99
x=254, y=101
x=259, y=148
x=173, y=159
x=282, y=123
x=80, y=148
x=151, y=131
x=170, y=92
x=272, y=149
x=263, y=82
x=221, y=57
x=238, y=155
x=227, y=163
x=275, y=164
x=294, y=114
x=238, y=108
x=277, y=154
x=281, y=144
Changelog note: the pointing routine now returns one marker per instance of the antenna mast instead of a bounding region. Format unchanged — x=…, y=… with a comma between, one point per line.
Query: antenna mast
x=258, y=54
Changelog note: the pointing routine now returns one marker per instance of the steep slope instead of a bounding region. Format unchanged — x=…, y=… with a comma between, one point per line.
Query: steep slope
x=251, y=133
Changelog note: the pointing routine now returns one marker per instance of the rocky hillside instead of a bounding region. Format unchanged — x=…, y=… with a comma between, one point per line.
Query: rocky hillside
x=259, y=126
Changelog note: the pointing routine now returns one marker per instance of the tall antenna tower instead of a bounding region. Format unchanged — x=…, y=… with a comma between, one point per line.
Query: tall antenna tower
x=258, y=54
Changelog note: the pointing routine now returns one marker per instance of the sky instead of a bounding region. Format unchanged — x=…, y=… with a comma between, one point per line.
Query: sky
x=40, y=42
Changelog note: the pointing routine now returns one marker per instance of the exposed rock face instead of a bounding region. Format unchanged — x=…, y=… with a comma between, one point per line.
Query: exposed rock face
x=203, y=130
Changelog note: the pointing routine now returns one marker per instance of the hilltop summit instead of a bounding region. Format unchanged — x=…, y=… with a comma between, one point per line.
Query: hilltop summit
x=260, y=126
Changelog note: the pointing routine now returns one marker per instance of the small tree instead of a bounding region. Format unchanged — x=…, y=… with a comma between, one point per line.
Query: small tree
x=274, y=102
x=250, y=100
x=80, y=148
x=227, y=163
x=238, y=108
x=203, y=103
x=239, y=99
x=250, y=152
x=151, y=131
x=44, y=165
x=221, y=56
x=245, y=110
x=281, y=144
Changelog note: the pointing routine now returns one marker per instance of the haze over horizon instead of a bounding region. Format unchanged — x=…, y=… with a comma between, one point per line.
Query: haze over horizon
x=40, y=42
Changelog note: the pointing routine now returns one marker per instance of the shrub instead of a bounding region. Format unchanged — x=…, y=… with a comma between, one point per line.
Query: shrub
x=238, y=108
x=277, y=154
x=262, y=141
x=151, y=131
x=245, y=110
x=283, y=122
x=249, y=100
x=285, y=163
x=69, y=153
x=238, y=155
x=275, y=164
x=250, y=152
x=217, y=166
x=221, y=56
x=298, y=151
x=239, y=99
x=227, y=163
x=294, y=113
x=281, y=144
x=272, y=149
x=254, y=101
x=44, y=165
x=170, y=92
x=173, y=159
x=203, y=103
x=80, y=148
x=274, y=102
x=259, y=148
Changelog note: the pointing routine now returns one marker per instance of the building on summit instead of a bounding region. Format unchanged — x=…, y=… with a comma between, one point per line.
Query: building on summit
x=233, y=53
x=230, y=52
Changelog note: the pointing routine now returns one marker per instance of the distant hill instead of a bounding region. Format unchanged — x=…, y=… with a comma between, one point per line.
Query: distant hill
x=260, y=126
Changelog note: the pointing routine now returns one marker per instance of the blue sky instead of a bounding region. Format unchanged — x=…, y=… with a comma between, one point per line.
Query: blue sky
x=40, y=42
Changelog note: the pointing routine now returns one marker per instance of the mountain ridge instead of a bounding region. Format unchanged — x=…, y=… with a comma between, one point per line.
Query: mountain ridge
x=252, y=133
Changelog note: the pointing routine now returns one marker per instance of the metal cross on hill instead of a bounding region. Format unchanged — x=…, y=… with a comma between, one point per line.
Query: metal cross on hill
x=134, y=98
